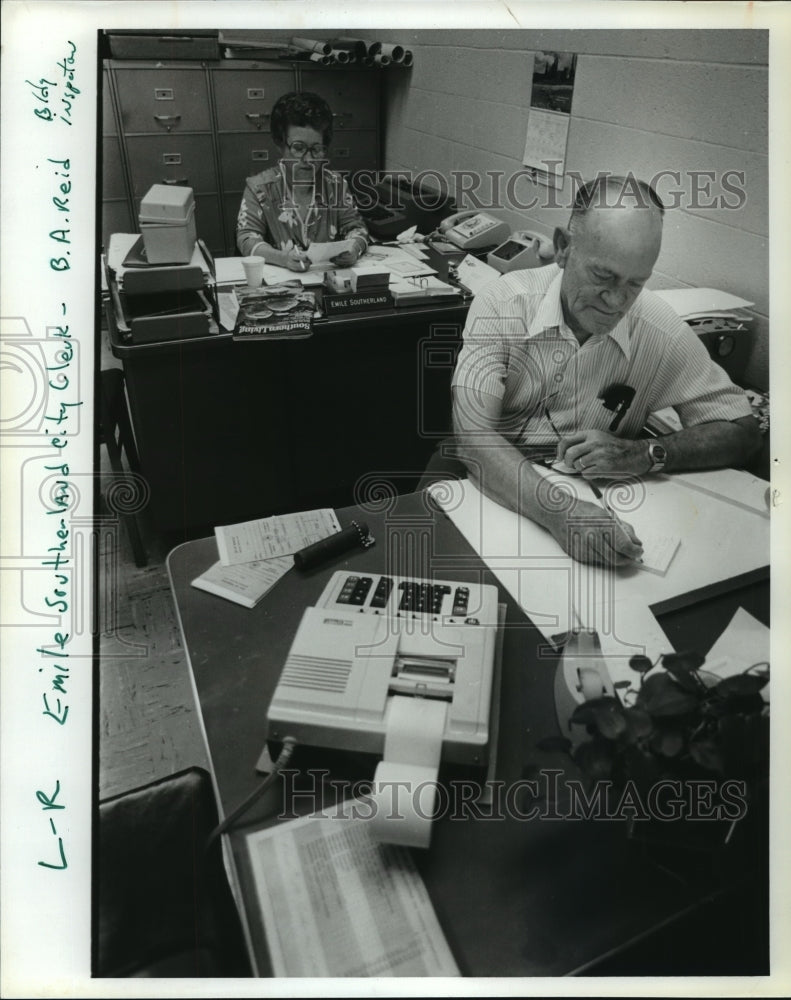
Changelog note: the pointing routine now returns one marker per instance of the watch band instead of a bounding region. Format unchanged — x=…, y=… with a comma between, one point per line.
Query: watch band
x=657, y=453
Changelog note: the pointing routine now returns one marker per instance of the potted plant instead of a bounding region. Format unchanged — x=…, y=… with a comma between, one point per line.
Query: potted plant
x=686, y=751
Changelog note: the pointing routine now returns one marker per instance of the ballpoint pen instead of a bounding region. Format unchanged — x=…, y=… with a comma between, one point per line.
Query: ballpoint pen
x=602, y=500
x=300, y=245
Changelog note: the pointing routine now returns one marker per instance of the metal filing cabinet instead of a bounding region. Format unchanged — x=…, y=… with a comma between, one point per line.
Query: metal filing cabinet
x=167, y=136
x=207, y=125
x=244, y=95
x=116, y=211
x=354, y=99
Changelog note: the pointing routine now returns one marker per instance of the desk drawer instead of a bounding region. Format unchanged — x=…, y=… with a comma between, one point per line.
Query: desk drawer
x=353, y=151
x=163, y=100
x=245, y=98
x=177, y=159
x=242, y=156
x=353, y=96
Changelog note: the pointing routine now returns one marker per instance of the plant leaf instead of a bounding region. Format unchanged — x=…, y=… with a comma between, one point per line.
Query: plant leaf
x=707, y=754
x=741, y=684
x=610, y=720
x=606, y=714
x=638, y=724
x=661, y=696
x=682, y=663
x=585, y=713
x=640, y=663
x=668, y=742
x=595, y=758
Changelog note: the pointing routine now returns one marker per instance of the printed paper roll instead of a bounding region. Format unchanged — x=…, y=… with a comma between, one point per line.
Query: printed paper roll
x=405, y=781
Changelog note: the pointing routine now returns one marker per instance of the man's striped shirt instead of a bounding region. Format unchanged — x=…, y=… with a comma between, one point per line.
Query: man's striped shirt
x=518, y=348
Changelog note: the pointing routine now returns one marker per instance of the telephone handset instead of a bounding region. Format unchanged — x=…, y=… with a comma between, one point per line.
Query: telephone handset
x=472, y=230
x=521, y=250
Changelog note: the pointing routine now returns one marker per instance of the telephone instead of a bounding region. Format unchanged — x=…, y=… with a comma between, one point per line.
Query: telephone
x=521, y=250
x=473, y=230
x=370, y=637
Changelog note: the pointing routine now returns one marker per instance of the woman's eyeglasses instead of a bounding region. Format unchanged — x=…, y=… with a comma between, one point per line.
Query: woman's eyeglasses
x=318, y=152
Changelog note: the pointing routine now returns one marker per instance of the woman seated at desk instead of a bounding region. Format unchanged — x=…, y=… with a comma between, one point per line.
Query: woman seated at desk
x=300, y=201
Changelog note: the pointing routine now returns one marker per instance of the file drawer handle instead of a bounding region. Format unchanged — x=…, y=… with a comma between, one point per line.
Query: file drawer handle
x=175, y=180
x=167, y=120
x=257, y=118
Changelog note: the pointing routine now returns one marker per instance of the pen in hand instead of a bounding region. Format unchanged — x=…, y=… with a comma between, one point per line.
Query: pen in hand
x=603, y=501
x=302, y=252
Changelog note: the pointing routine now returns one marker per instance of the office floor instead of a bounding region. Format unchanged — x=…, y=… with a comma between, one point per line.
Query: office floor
x=149, y=725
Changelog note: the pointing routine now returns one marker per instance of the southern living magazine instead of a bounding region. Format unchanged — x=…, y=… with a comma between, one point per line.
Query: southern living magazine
x=274, y=312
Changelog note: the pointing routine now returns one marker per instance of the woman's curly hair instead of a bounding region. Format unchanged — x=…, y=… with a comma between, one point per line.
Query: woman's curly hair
x=305, y=109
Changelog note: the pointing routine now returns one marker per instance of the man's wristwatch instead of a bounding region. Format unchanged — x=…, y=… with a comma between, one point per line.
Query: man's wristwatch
x=657, y=453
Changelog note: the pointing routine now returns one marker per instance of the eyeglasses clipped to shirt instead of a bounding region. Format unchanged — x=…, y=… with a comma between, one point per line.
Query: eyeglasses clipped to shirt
x=300, y=149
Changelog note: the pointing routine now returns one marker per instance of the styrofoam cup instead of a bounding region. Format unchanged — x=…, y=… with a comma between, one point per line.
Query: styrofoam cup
x=253, y=271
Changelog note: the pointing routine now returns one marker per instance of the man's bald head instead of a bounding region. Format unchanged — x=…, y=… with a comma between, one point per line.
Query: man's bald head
x=608, y=251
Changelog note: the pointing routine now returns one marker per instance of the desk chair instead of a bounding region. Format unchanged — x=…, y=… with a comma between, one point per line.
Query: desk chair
x=163, y=906
x=115, y=433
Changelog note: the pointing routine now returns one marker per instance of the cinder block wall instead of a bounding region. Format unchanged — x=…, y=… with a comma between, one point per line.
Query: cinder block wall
x=645, y=101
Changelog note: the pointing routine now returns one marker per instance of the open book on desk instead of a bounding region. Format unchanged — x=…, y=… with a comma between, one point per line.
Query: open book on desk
x=423, y=289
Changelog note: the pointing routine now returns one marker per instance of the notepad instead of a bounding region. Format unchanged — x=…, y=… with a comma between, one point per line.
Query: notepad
x=658, y=552
x=246, y=583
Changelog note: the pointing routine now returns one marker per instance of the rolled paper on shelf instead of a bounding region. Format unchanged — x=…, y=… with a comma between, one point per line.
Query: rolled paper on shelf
x=381, y=60
x=335, y=545
x=367, y=61
x=356, y=45
x=340, y=55
x=396, y=52
x=374, y=48
x=310, y=45
x=319, y=57
x=407, y=60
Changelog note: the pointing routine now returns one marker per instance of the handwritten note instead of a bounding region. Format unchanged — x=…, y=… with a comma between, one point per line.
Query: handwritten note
x=658, y=552
x=267, y=537
x=245, y=583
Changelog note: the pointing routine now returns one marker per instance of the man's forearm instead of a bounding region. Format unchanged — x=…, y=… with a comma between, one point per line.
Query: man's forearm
x=712, y=445
x=505, y=475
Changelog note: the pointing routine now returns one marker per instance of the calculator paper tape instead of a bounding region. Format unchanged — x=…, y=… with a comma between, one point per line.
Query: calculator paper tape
x=405, y=781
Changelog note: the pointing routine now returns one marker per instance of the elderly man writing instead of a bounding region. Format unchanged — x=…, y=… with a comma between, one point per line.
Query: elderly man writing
x=574, y=356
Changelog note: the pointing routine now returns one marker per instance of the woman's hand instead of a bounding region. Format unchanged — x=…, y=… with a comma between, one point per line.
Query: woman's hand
x=350, y=256
x=296, y=259
x=347, y=258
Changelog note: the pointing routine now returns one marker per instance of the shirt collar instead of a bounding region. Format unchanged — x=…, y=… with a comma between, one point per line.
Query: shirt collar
x=550, y=314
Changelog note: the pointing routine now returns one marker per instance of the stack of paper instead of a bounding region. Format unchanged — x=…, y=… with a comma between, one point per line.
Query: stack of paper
x=335, y=902
x=696, y=303
x=425, y=288
x=255, y=554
